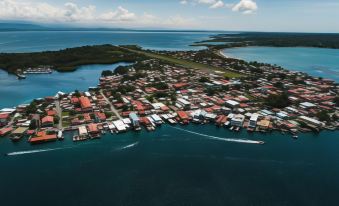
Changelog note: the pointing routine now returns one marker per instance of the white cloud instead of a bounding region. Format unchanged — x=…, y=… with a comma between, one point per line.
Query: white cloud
x=69, y=12
x=184, y=2
x=121, y=14
x=213, y=4
x=218, y=4
x=246, y=7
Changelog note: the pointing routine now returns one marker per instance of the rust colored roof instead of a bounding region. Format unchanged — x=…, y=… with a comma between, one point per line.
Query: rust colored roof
x=182, y=115
x=85, y=103
x=92, y=128
x=47, y=119
x=42, y=136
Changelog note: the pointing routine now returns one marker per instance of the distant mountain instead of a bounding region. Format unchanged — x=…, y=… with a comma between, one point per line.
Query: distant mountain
x=19, y=27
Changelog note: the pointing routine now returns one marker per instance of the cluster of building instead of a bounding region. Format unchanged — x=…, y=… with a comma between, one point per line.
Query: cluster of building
x=164, y=93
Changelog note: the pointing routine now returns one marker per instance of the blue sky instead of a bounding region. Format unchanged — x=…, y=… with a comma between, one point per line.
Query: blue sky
x=239, y=15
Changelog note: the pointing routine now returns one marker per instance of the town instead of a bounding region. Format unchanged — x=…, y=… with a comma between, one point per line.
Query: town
x=263, y=98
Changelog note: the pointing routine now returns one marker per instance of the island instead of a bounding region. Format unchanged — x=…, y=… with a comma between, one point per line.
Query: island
x=271, y=39
x=173, y=87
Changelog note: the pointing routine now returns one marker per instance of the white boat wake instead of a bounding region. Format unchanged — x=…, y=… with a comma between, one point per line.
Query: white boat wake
x=127, y=146
x=36, y=151
x=245, y=141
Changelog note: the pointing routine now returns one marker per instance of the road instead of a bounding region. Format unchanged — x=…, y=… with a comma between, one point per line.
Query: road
x=111, y=105
x=59, y=113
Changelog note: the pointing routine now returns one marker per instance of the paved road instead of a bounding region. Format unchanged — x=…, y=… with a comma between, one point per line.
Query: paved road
x=59, y=113
x=111, y=105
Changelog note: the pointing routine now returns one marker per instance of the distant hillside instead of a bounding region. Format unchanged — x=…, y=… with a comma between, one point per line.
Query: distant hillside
x=19, y=27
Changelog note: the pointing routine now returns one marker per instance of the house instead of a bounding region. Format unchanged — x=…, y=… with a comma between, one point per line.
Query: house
x=232, y=104
x=157, y=120
x=43, y=136
x=184, y=103
x=238, y=120
x=311, y=121
x=47, y=121
x=85, y=104
x=135, y=119
x=253, y=120
x=264, y=124
x=93, y=130
x=183, y=116
x=4, y=119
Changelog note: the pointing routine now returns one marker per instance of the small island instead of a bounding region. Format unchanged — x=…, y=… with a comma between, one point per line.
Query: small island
x=174, y=87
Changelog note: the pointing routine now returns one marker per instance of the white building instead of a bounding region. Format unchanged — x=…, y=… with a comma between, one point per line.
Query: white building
x=253, y=120
x=238, y=120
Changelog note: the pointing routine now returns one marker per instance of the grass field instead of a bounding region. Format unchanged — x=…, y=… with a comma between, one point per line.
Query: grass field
x=187, y=64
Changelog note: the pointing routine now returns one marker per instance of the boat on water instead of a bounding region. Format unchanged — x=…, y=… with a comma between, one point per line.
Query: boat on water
x=232, y=128
x=295, y=136
x=21, y=76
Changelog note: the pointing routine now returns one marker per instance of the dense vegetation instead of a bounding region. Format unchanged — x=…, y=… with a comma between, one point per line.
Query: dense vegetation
x=68, y=59
x=275, y=40
x=278, y=101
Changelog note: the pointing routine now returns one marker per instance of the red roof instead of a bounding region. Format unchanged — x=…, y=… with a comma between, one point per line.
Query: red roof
x=51, y=112
x=47, y=119
x=5, y=131
x=42, y=136
x=180, y=85
x=92, y=128
x=85, y=103
x=4, y=115
x=182, y=115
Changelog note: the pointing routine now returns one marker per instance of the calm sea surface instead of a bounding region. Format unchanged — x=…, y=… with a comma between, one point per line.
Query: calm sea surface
x=165, y=167
x=314, y=61
x=55, y=40
x=174, y=167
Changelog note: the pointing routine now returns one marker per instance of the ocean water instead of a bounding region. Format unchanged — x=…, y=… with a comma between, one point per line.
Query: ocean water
x=14, y=92
x=173, y=167
x=166, y=167
x=33, y=41
x=317, y=62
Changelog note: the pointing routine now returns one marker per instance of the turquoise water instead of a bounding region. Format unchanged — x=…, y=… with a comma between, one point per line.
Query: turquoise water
x=314, y=61
x=174, y=167
x=32, y=41
x=14, y=91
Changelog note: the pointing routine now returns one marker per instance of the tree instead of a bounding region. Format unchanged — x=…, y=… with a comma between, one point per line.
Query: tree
x=77, y=93
x=121, y=70
x=106, y=73
x=56, y=120
x=336, y=101
x=204, y=79
x=323, y=116
x=278, y=101
x=32, y=108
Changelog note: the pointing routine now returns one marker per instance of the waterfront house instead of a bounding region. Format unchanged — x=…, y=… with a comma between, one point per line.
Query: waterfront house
x=253, y=120
x=135, y=119
x=47, y=121
x=4, y=119
x=43, y=136
x=238, y=120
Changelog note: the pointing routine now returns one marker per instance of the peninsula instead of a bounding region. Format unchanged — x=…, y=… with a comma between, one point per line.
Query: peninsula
x=201, y=87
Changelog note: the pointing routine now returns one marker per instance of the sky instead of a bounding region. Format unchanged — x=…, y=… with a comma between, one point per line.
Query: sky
x=228, y=15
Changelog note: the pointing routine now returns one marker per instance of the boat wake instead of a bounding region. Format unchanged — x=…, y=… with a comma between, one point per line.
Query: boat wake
x=245, y=141
x=127, y=146
x=36, y=151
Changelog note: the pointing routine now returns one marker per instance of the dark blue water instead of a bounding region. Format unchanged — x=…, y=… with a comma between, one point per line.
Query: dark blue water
x=14, y=91
x=55, y=40
x=314, y=61
x=173, y=167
